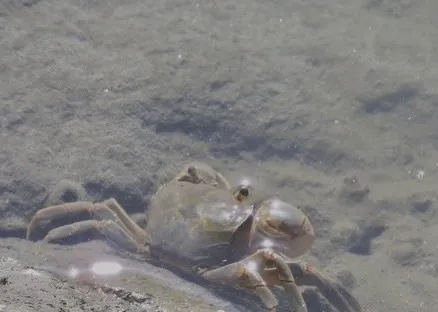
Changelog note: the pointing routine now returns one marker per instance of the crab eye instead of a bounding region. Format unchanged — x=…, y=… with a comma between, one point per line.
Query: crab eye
x=244, y=192
x=241, y=193
x=191, y=171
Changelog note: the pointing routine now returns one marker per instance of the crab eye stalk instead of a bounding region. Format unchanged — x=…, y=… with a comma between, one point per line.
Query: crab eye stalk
x=191, y=171
x=190, y=175
x=241, y=193
x=285, y=225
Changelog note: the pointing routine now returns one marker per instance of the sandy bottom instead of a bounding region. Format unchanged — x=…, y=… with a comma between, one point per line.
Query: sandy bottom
x=331, y=105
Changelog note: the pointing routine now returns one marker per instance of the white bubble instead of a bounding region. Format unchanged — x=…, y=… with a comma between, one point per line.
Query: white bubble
x=106, y=268
x=73, y=272
x=245, y=182
x=251, y=266
x=32, y=272
x=267, y=243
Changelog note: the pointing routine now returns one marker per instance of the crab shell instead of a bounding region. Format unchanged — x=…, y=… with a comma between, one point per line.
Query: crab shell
x=202, y=222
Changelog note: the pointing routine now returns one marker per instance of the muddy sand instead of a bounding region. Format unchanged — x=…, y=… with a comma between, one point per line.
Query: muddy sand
x=332, y=105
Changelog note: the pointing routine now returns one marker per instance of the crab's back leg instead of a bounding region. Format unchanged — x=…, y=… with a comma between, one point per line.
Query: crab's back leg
x=108, y=209
x=53, y=212
x=108, y=228
x=140, y=235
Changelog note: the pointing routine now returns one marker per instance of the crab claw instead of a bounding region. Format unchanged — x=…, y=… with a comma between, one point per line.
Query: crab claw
x=282, y=227
x=307, y=275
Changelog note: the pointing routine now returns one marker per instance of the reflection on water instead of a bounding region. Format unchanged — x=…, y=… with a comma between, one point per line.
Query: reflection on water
x=137, y=282
x=106, y=268
x=96, y=269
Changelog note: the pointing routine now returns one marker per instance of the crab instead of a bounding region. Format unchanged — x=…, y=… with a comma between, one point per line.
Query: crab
x=200, y=224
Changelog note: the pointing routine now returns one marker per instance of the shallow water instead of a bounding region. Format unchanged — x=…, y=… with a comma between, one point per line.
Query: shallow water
x=330, y=105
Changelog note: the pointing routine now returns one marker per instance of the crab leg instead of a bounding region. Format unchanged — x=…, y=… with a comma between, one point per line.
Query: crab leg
x=266, y=258
x=53, y=212
x=238, y=274
x=139, y=234
x=334, y=291
x=253, y=267
x=108, y=228
x=107, y=209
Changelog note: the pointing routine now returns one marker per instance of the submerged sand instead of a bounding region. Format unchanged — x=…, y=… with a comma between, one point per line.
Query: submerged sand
x=332, y=105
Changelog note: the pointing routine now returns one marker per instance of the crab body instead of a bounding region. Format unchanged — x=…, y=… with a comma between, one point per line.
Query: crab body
x=192, y=220
x=199, y=223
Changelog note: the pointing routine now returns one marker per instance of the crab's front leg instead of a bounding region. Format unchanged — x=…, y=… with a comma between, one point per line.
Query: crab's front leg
x=335, y=292
x=239, y=274
x=249, y=273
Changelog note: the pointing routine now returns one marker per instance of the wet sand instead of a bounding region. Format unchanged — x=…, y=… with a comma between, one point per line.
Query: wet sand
x=331, y=105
